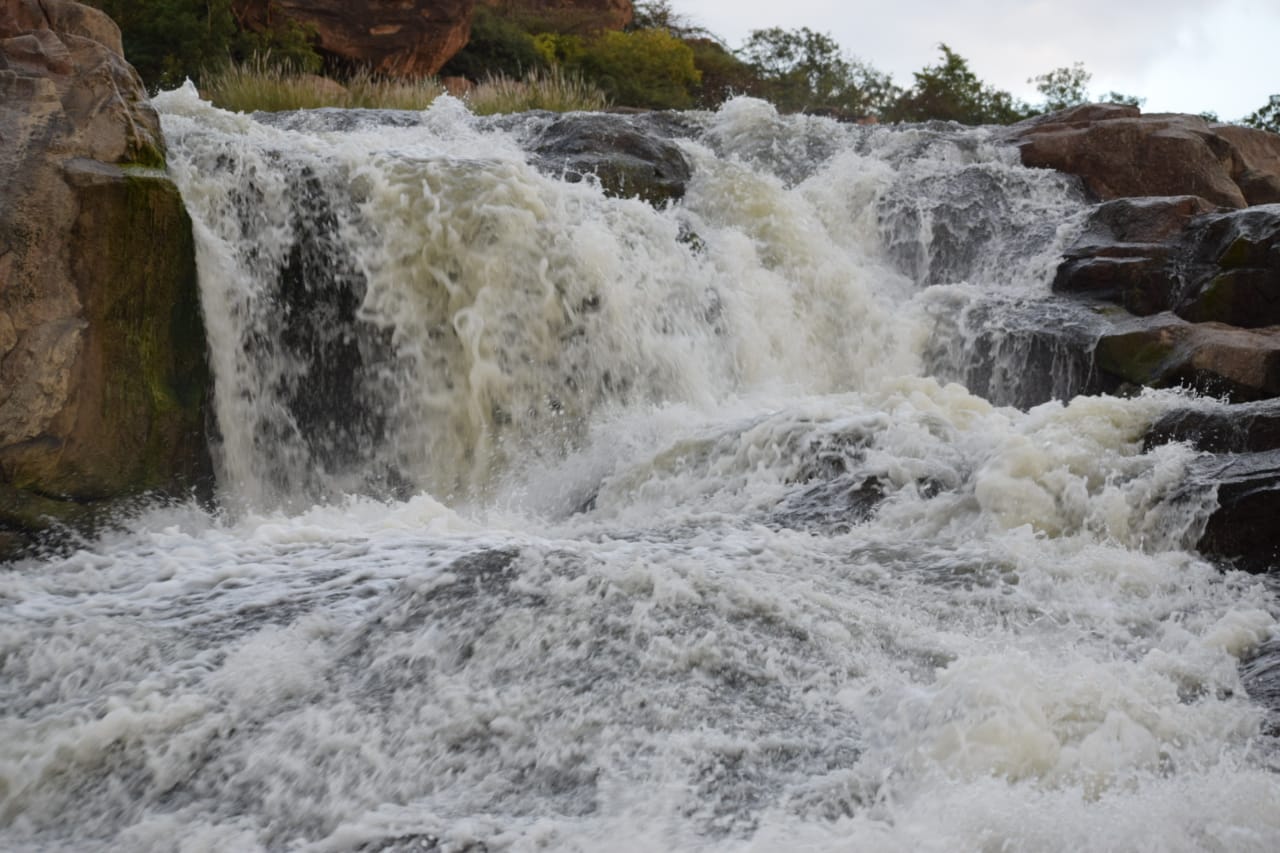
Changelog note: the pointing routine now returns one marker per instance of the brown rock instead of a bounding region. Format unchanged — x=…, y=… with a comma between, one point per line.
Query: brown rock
x=403, y=38
x=569, y=16
x=1166, y=351
x=102, y=370
x=1256, y=164
x=1118, y=152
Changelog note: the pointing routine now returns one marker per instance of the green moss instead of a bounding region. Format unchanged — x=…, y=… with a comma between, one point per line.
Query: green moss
x=1140, y=357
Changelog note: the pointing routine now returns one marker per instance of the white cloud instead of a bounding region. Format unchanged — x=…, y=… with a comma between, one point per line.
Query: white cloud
x=1183, y=55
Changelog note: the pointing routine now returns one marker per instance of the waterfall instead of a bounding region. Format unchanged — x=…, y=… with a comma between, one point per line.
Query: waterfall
x=778, y=516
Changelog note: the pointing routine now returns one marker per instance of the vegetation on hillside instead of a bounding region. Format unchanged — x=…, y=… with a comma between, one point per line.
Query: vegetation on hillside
x=562, y=60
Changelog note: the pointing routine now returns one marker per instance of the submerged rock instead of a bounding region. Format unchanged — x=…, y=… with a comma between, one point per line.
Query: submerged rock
x=631, y=155
x=103, y=374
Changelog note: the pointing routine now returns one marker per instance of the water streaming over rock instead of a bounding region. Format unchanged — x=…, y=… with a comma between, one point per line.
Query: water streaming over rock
x=556, y=521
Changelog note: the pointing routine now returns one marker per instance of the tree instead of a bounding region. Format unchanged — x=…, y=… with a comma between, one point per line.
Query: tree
x=801, y=69
x=1063, y=87
x=952, y=92
x=642, y=68
x=1266, y=117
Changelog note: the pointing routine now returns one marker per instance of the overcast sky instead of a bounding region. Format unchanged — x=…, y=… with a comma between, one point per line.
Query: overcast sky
x=1181, y=55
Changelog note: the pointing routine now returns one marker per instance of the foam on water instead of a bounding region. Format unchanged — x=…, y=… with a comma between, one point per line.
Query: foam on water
x=667, y=540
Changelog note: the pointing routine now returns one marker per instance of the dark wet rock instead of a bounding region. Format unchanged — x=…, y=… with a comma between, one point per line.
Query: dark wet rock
x=1242, y=428
x=103, y=376
x=631, y=155
x=1243, y=530
x=1117, y=152
x=1231, y=268
x=1179, y=254
x=1016, y=353
x=1164, y=351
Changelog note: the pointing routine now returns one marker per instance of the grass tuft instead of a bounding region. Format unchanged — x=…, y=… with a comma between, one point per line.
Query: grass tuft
x=260, y=85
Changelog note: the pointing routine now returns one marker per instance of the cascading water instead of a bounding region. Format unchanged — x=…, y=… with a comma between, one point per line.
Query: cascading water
x=556, y=521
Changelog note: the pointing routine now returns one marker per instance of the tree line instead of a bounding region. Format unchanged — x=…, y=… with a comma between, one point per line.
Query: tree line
x=660, y=61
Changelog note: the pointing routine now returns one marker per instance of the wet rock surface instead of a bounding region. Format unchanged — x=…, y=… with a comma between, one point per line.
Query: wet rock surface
x=631, y=155
x=102, y=355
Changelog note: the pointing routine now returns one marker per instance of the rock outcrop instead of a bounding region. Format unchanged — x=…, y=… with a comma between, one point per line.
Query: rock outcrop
x=1180, y=254
x=1117, y=152
x=102, y=353
x=403, y=38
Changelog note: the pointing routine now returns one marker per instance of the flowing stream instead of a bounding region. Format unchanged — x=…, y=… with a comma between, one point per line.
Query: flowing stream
x=769, y=520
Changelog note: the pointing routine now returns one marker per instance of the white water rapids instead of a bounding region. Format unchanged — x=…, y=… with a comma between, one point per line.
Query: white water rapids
x=554, y=521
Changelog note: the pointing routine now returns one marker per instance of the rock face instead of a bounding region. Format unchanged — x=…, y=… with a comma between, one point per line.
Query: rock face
x=404, y=38
x=1214, y=358
x=570, y=15
x=1117, y=152
x=102, y=352
x=1180, y=254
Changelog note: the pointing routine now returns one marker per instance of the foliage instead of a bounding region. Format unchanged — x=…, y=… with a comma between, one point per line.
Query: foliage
x=642, y=68
x=1063, y=87
x=801, y=69
x=723, y=74
x=559, y=48
x=658, y=15
x=260, y=85
x=1121, y=98
x=170, y=40
x=952, y=92
x=1266, y=117
x=498, y=46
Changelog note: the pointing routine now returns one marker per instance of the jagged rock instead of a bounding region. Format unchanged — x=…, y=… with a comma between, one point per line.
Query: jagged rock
x=1219, y=428
x=1179, y=254
x=631, y=155
x=1242, y=530
x=1117, y=152
x=1164, y=351
x=402, y=38
x=1256, y=167
x=570, y=16
x=102, y=353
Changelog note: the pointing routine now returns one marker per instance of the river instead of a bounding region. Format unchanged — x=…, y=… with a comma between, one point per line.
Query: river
x=548, y=520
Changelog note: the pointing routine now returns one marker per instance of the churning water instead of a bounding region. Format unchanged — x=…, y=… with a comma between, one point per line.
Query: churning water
x=555, y=521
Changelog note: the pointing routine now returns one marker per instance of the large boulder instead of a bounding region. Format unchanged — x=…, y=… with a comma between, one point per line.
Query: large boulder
x=102, y=353
x=631, y=155
x=1117, y=152
x=1179, y=254
x=1164, y=351
x=403, y=38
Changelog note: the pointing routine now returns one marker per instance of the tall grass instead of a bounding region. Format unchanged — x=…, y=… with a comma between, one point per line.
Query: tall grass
x=259, y=85
x=554, y=90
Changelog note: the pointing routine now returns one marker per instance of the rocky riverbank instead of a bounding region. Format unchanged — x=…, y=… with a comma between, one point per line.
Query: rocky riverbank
x=103, y=378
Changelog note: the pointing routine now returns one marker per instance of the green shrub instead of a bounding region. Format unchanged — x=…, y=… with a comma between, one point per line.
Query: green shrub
x=498, y=46
x=170, y=40
x=643, y=68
